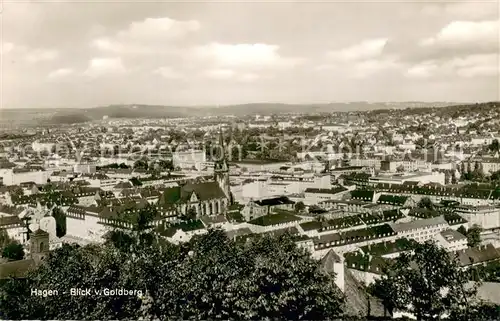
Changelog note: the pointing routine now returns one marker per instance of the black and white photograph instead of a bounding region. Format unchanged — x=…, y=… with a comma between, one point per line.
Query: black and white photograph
x=250, y=160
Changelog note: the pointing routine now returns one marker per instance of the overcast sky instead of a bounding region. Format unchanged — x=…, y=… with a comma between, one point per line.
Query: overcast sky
x=90, y=53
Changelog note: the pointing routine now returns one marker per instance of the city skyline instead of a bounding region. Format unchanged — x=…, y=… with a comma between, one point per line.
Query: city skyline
x=224, y=53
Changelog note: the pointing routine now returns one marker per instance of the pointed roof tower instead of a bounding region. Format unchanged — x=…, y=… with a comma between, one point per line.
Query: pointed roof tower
x=220, y=163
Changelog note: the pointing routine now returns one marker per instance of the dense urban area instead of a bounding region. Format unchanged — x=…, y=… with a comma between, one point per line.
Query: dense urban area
x=362, y=215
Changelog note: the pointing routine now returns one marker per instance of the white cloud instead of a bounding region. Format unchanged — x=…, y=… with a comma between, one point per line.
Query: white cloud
x=228, y=74
x=323, y=67
x=468, y=10
x=220, y=73
x=169, y=73
x=38, y=55
x=152, y=35
x=477, y=65
x=366, y=49
x=7, y=47
x=245, y=55
x=472, y=9
x=370, y=67
x=60, y=73
x=248, y=77
x=103, y=66
x=425, y=69
x=466, y=33
x=106, y=44
x=159, y=28
x=360, y=60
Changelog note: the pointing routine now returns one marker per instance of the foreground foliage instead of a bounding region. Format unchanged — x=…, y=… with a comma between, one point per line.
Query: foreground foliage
x=429, y=284
x=13, y=251
x=209, y=278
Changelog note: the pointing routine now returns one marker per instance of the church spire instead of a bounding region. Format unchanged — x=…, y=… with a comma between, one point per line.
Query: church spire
x=220, y=163
x=221, y=141
x=221, y=169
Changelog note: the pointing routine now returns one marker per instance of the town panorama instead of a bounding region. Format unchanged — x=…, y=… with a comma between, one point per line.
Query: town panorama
x=144, y=174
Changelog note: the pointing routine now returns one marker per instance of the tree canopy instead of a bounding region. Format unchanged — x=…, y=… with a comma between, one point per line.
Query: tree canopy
x=211, y=277
x=299, y=206
x=4, y=238
x=427, y=282
x=135, y=181
x=60, y=218
x=13, y=251
x=474, y=236
x=426, y=202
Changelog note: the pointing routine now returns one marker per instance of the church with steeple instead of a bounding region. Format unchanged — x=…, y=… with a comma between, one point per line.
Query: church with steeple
x=212, y=197
x=221, y=169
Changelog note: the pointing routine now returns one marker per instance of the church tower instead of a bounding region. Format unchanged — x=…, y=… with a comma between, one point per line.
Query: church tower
x=221, y=170
x=39, y=245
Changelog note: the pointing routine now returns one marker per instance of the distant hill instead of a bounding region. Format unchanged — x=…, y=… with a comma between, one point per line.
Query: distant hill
x=149, y=111
x=11, y=117
x=72, y=118
x=137, y=111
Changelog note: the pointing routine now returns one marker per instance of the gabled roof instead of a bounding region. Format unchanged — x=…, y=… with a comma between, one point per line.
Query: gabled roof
x=334, y=190
x=328, y=261
x=9, y=220
x=474, y=255
x=40, y=232
x=204, y=191
x=274, y=219
x=5, y=164
x=363, y=195
x=233, y=234
x=359, y=302
x=282, y=200
x=123, y=185
x=452, y=235
x=16, y=269
x=12, y=210
x=207, y=220
x=489, y=292
x=401, y=227
x=185, y=226
x=171, y=195
x=392, y=199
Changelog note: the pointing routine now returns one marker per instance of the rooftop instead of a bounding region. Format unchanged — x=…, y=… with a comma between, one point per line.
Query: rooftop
x=418, y=224
x=275, y=219
x=451, y=235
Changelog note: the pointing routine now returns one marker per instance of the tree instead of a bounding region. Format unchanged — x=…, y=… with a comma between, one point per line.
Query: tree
x=135, y=181
x=462, y=167
x=299, y=206
x=474, y=236
x=4, y=238
x=479, y=312
x=211, y=277
x=447, y=178
x=495, y=176
x=462, y=230
x=400, y=169
x=494, y=146
x=144, y=218
x=426, y=282
x=141, y=163
x=426, y=202
x=191, y=214
x=453, y=177
x=166, y=164
x=13, y=251
x=60, y=218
